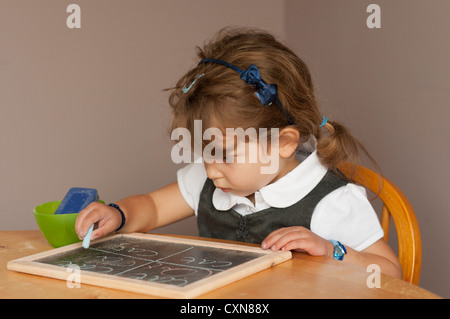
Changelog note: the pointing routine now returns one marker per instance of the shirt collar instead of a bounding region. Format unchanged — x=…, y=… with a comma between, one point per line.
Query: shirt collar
x=284, y=192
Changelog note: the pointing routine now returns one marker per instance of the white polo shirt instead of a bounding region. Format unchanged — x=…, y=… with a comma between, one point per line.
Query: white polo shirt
x=345, y=214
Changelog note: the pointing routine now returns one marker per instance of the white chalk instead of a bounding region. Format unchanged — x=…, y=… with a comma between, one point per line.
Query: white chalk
x=87, y=238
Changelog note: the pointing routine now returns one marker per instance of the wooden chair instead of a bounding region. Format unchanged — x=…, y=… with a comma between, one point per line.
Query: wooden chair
x=397, y=206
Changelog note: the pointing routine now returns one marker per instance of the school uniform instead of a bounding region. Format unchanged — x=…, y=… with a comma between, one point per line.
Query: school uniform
x=308, y=196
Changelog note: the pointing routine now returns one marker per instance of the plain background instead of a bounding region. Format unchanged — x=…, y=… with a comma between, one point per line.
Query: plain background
x=86, y=107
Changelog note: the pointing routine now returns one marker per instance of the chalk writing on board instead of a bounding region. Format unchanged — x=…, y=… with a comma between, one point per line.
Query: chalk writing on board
x=175, y=264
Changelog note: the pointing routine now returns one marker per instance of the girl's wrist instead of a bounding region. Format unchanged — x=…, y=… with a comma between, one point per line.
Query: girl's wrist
x=329, y=250
x=122, y=215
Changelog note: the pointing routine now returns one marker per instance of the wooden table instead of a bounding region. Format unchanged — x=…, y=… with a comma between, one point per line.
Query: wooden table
x=302, y=277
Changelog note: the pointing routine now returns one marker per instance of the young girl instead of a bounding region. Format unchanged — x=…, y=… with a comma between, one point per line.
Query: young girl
x=247, y=79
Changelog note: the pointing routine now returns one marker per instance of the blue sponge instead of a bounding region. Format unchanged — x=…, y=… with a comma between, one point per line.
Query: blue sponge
x=76, y=200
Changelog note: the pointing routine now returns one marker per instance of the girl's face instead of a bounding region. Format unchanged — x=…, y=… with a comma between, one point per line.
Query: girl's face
x=243, y=166
x=242, y=179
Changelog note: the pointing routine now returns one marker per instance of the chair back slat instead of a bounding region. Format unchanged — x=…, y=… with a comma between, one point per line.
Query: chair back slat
x=397, y=206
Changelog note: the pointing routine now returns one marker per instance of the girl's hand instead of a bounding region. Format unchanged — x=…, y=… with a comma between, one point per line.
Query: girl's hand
x=299, y=239
x=106, y=218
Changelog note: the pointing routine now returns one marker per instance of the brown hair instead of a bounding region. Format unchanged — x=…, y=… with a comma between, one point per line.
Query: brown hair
x=218, y=93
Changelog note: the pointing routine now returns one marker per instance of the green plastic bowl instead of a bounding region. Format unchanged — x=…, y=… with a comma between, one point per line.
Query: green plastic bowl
x=59, y=230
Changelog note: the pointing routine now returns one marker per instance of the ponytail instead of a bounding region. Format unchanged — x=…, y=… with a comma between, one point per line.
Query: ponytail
x=337, y=146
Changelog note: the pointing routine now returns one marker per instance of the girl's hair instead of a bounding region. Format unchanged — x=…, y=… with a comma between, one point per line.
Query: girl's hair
x=218, y=96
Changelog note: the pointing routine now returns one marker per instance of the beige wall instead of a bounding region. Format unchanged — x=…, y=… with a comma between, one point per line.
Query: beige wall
x=391, y=87
x=85, y=107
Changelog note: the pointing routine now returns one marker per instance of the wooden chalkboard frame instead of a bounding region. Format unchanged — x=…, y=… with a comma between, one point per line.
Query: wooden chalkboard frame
x=266, y=260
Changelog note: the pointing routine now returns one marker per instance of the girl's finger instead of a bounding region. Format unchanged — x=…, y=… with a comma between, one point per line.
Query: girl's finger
x=274, y=236
x=288, y=237
x=82, y=215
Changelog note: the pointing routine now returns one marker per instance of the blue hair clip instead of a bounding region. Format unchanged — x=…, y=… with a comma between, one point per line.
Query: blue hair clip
x=186, y=89
x=266, y=93
x=324, y=121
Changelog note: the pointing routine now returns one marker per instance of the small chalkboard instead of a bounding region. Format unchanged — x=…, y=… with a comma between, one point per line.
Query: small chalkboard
x=157, y=265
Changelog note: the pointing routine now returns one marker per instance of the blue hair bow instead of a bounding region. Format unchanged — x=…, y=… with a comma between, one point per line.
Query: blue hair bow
x=266, y=93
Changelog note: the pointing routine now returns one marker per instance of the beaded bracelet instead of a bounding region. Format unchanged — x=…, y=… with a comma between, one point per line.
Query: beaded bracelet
x=121, y=214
